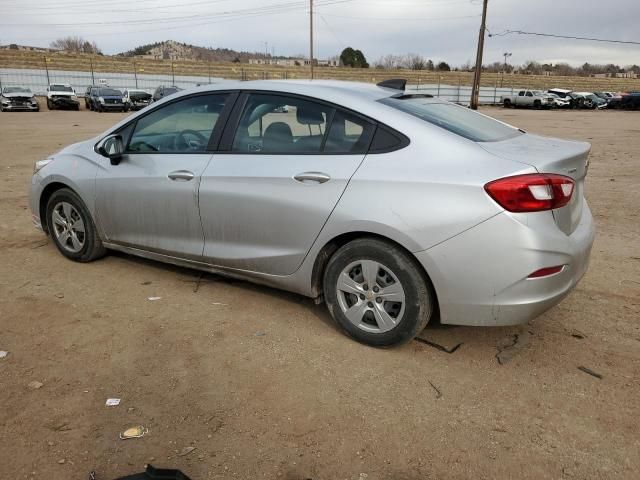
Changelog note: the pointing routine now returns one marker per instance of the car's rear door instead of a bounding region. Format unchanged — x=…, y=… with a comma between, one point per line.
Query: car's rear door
x=150, y=199
x=284, y=162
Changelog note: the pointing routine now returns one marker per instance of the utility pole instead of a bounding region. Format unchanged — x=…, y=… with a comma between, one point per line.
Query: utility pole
x=504, y=69
x=311, y=36
x=475, y=92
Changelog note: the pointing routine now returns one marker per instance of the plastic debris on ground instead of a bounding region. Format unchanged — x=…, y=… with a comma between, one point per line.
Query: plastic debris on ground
x=134, y=432
x=112, y=402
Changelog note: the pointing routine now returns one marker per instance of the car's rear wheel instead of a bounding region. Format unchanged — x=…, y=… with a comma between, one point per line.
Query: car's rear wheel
x=49, y=104
x=507, y=103
x=72, y=228
x=377, y=293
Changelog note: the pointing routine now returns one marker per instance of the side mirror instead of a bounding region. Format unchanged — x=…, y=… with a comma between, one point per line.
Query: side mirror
x=112, y=148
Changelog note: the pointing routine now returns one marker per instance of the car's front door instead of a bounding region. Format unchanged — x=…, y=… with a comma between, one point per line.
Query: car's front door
x=150, y=199
x=265, y=199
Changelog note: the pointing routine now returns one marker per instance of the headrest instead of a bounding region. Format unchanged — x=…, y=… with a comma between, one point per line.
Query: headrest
x=309, y=116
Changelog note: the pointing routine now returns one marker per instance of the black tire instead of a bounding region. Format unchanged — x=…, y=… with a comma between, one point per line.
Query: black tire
x=537, y=105
x=77, y=108
x=419, y=299
x=49, y=104
x=92, y=247
x=507, y=103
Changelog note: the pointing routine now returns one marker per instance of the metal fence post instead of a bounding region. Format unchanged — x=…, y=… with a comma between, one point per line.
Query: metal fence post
x=458, y=95
x=209, y=71
x=439, y=78
x=495, y=92
x=135, y=72
x=47, y=69
x=173, y=74
x=93, y=80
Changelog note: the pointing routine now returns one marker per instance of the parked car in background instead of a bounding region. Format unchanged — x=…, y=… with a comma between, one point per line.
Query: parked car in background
x=164, y=91
x=591, y=100
x=394, y=208
x=528, y=98
x=87, y=94
x=135, y=99
x=62, y=95
x=560, y=102
x=575, y=101
x=630, y=101
x=18, y=98
x=103, y=99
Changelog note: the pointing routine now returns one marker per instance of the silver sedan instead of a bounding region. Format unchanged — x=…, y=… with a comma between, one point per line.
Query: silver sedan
x=394, y=208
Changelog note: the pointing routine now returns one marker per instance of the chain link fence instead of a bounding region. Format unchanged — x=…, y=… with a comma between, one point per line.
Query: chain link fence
x=38, y=80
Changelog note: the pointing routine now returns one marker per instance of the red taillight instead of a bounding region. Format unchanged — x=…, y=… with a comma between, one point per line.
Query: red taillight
x=545, y=272
x=532, y=192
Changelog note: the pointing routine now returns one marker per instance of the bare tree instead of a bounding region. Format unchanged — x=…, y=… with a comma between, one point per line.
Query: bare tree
x=76, y=45
x=414, y=61
x=390, y=62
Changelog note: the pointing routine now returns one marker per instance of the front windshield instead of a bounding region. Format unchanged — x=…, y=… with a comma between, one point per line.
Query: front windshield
x=16, y=90
x=454, y=118
x=110, y=92
x=61, y=88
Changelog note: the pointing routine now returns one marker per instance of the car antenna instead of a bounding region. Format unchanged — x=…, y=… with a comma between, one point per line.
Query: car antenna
x=395, y=83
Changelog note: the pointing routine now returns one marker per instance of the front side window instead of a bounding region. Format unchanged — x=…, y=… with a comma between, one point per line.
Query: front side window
x=184, y=126
x=280, y=124
x=454, y=118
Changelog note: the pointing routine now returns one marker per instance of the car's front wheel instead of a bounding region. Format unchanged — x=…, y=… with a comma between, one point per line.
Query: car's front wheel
x=71, y=227
x=377, y=293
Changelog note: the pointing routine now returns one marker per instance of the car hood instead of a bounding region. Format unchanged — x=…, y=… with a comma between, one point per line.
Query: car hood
x=18, y=94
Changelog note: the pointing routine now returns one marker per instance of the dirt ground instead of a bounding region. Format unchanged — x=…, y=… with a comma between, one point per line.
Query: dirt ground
x=262, y=385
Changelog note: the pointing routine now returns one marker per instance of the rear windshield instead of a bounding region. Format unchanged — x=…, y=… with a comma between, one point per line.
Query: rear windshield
x=454, y=118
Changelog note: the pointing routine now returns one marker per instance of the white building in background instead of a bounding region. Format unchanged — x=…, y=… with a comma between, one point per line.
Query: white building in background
x=292, y=62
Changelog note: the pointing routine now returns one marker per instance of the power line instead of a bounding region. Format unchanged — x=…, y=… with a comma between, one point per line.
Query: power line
x=570, y=37
x=255, y=11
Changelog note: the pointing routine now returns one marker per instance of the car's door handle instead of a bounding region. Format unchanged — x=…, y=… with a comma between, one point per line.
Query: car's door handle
x=312, y=177
x=181, y=175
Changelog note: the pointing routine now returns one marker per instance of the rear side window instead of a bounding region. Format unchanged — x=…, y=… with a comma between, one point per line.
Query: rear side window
x=454, y=118
x=386, y=140
x=280, y=124
x=348, y=134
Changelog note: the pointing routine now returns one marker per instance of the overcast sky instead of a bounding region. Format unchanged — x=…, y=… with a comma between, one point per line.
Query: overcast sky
x=438, y=29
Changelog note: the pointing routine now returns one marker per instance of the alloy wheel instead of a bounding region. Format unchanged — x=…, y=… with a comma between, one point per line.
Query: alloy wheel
x=68, y=227
x=371, y=296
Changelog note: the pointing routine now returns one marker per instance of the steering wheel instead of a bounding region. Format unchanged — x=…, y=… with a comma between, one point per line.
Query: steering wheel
x=182, y=139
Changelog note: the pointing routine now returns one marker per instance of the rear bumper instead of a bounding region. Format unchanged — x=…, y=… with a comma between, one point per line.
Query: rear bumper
x=480, y=276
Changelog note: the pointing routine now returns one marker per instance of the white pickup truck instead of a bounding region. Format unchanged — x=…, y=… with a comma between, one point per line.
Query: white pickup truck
x=528, y=98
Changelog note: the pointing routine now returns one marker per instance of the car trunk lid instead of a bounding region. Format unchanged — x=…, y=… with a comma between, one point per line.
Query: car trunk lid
x=550, y=155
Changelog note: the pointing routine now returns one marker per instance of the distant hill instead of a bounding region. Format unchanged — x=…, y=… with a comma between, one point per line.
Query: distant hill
x=172, y=50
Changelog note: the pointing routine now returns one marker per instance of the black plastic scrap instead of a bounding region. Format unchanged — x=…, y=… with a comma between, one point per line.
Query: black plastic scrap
x=437, y=346
x=152, y=473
x=590, y=372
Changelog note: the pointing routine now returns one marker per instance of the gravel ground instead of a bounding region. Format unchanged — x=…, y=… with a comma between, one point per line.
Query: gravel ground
x=262, y=385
